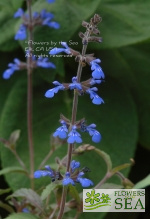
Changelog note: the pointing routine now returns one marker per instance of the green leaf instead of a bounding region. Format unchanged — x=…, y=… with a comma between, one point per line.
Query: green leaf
x=123, y=22
x=22, y=216
x=118, y=101
x=66, y=13
x=31, y=196
x=3, y=191
x=116, y=120
x=6, y=207
x=143, y=183
x=7, y=23
x=11, y=3
x=15, y=135
x=47, y=191
x=74, y=193
x=137, y=58
x=16, y=4
x=105, y=157
x=120, y=167
x=133, y=70
x=110, y=186
x=12, y=169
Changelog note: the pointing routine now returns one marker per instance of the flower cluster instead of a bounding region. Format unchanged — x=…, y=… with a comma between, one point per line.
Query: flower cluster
x=72, y=177
x=68, y=130
x=42, y=18
x=83, y=87
x=73, y=136
x=18, y=65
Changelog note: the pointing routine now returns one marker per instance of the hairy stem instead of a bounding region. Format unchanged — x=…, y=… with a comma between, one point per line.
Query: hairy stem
x=29, y=95
x=73, y=120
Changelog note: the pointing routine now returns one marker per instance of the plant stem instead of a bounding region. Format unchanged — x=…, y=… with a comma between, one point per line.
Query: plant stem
x=73, y=120
x=19, y=160
x=62, y=205
x=45, y=159
x=29, y=95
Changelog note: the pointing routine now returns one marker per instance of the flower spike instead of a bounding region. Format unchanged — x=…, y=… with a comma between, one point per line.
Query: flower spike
x=42, y=18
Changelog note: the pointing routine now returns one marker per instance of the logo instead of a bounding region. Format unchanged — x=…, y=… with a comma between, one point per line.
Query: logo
x=113, y=200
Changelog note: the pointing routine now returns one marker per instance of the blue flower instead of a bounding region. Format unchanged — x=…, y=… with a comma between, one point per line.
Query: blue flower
x=44, y=63
x=67, y=180
x=41, y=173
x=35, y=15
x=44, y=15
x=46, y=19
x=50, y=23
x=74, y=165
x=61, y=132
x=97, y=70
x=25, y=210
x=56, y=50
x=96, y=136
x=50, y=93
x=95, y=81
x=84, y=181
x=95, y=98
x=50, y=1
x=19, y=13
x=21, y=33
x=74, y=136
x=75, y=84
x=12, y=68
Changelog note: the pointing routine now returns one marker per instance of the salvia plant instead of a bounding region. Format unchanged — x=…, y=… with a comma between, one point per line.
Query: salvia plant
x=56, y=189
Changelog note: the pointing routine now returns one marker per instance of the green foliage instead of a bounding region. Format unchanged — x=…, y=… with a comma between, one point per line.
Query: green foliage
x=31, y=196
x=3, y=191
x=7, y=24
x=47, y=191
x=7, y=207
x=12, y=169
x=22, y=216
x=143, y=183
x=74, y=193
